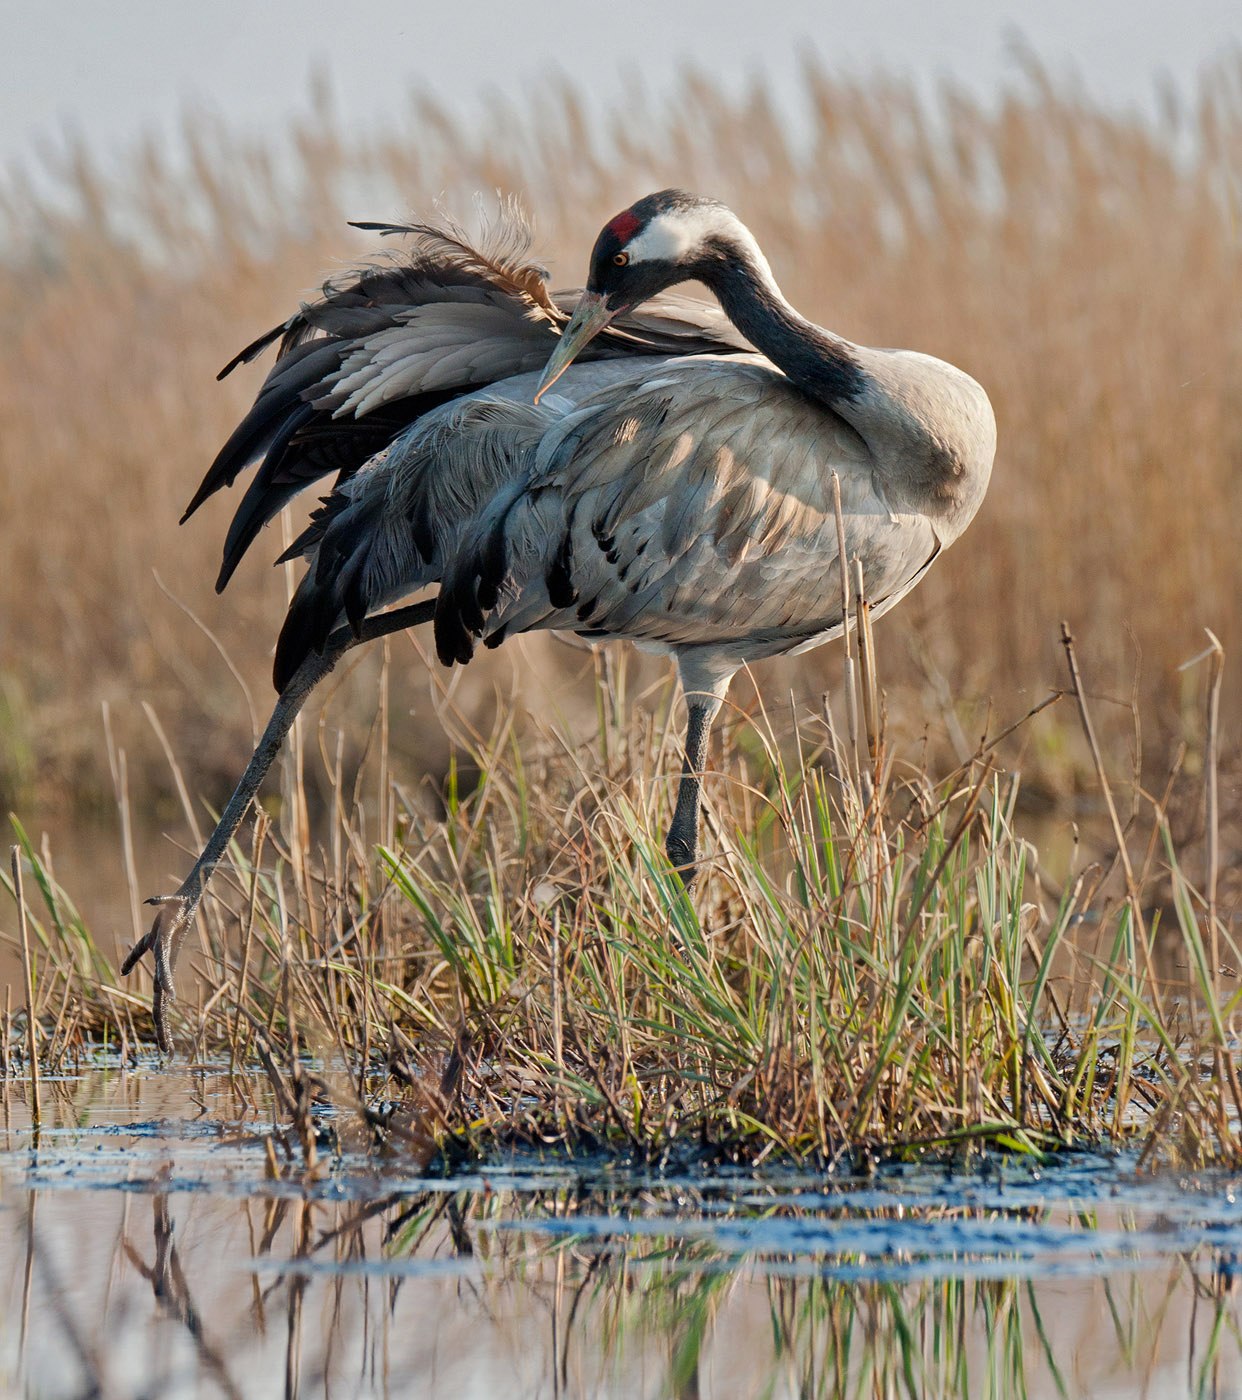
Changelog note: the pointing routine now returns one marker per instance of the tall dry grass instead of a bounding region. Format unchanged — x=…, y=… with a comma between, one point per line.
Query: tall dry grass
x=869, y=965
x=1086, y=266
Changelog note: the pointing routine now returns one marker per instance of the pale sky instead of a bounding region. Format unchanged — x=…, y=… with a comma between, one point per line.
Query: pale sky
x=111, y=69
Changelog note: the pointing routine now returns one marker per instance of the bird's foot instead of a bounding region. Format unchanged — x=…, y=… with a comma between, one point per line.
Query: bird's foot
x=163, y=940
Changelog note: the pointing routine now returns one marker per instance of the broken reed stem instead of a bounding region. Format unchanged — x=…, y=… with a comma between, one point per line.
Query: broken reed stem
x=32, y=1047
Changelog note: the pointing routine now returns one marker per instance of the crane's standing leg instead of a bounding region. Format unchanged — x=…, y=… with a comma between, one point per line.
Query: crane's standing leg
x=705, y=686
x=177, y=911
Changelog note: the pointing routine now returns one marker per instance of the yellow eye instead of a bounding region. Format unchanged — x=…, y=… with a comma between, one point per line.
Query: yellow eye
x=620, y=259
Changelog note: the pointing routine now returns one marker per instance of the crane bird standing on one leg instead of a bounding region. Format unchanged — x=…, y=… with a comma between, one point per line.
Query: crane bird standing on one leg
x=668, y=478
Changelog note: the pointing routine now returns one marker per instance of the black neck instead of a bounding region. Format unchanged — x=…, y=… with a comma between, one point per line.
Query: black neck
x=819, y=364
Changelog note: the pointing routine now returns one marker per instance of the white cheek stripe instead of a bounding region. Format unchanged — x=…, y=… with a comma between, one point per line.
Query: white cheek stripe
x=668, y=237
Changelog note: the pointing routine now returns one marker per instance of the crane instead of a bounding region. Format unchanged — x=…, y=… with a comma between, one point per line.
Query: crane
x=647, y=467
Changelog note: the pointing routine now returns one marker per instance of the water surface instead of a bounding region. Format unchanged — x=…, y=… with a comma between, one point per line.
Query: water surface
x=157, y=1239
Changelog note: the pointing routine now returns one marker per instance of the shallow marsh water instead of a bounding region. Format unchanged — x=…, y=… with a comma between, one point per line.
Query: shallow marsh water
x=147, y=1248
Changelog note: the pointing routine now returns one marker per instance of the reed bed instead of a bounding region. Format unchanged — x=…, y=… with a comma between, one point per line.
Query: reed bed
x=874, y=963
x=1085, y=265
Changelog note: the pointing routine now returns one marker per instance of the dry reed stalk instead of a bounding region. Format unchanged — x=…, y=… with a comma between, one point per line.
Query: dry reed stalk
x=210, y=925
x=178, y=777
x=1106, y=791
x=28, y=975
x=863, y=1099
x=866, y=661
x=247, y=941
x=873, y=787
x=847, y=664
x=119, y=769
x=221, y=650
x=1211, y=781
x=62, y=1028
x=295, y=819
x=1225, y=1066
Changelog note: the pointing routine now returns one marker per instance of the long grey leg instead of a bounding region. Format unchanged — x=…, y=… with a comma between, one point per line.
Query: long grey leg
x=682, y=841
x=705, y=684
x=176, y=911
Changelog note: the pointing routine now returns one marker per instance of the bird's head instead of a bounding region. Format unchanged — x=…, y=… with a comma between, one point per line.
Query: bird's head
x=664, y=239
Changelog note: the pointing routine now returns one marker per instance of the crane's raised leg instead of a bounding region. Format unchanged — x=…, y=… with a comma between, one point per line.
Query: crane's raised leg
x=705, y=691
x=177, y=911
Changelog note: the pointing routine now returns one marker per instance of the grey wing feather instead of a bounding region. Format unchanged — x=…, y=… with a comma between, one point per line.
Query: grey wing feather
x=698, y=512
x=393, y=527
x=394, y=340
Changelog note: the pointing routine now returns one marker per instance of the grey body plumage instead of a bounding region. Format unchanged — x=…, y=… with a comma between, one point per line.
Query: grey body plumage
x=668, y=481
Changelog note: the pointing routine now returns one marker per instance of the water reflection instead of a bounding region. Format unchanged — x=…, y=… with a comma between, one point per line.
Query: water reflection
x=146, y=1253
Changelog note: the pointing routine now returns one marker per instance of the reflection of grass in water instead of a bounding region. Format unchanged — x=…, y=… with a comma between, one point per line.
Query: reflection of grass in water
x=869, y=966
x=537, y=1282
x=690, y=1320
x=856, y=1337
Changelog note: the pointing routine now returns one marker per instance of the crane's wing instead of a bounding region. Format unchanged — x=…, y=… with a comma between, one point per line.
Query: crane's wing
x=398, y=522
x=382, y=346
x=386, y=531
x=695, y=510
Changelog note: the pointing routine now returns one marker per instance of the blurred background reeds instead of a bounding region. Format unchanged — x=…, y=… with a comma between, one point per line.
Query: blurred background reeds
x=1085, y=265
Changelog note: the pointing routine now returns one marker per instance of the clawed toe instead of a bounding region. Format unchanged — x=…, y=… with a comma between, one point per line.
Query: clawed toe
x=163, y=940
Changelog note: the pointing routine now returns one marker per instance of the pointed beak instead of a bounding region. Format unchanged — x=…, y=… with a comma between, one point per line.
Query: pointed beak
x=590, y=317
